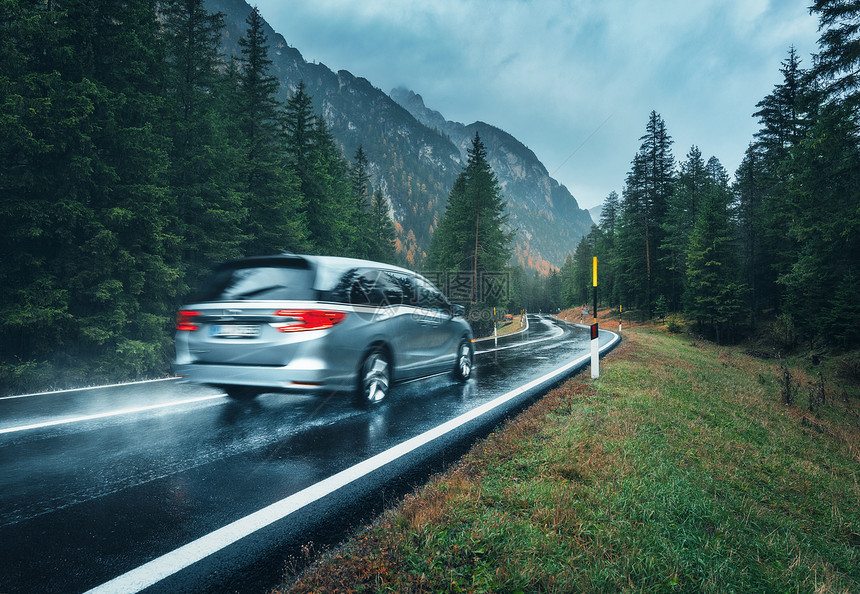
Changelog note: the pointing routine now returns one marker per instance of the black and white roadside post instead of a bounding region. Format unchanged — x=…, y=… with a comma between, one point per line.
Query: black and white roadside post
x=595, y=348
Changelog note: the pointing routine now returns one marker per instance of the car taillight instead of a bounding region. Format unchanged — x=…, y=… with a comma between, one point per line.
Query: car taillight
x=308, y=319
x=185, y=320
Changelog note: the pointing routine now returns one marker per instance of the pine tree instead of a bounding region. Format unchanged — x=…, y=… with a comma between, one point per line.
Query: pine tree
x=819, y=187
x=46, y=151
x=783, y=125
x=449, y=245
x=781, y=112
x=749, y=190
x=471, y=234
x=331, y=208
x=360, y=224
x=582, y=269
x=838, y=62
x=131, y=282
x=484, y=194
x=609, y=213
x=299, y=122
x=681, y=215
x=659, y=183
x=87, y=147
x=824, y=190
x=568, y=283
x=713, y=294
x=203, y=172
x=606, y=249
x=381, y=229
x=631, y=244
x=646, y=194
x=272, y=193
x=259, y=87
x=553, y=291
x=360, y=179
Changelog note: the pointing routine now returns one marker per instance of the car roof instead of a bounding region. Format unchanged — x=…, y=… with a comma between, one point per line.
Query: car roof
x=327, y=267
x=346, y=263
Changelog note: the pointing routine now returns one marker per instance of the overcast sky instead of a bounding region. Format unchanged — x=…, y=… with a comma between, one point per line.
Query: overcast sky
x=573, y=80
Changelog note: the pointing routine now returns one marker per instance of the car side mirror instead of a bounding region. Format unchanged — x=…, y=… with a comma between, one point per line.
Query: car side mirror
x=457, y=310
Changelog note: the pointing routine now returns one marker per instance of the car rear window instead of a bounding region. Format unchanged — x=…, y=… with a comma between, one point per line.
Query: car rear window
x=262, y=281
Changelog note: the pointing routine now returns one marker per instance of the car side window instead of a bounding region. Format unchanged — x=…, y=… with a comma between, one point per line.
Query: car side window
x=377, y=287
x=393, y=288
x=429, y=297
x=343, y=292
x=364, y=289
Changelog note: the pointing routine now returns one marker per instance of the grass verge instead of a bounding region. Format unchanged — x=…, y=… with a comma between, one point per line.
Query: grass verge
x=511, y=326
x=679, y=469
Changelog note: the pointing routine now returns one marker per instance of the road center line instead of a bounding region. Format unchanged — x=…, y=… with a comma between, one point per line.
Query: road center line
x=170, y=563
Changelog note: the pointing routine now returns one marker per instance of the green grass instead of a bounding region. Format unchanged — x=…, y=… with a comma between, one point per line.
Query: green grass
x=506, y=327
x=678, y=470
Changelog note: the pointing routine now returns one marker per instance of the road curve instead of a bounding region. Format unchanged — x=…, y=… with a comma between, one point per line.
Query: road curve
x=169, y=487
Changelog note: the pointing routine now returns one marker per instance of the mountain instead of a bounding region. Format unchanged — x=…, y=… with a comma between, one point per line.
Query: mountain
x=547, y=216
x=596, y=212
x=415, y=154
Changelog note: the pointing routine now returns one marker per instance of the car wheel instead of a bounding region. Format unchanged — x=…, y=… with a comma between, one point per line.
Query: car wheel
x=465, y=361
x=374, y=378
x=241, y=392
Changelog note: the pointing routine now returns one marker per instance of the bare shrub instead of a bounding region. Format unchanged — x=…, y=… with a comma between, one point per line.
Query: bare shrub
x=788, y=388
x=817, y=396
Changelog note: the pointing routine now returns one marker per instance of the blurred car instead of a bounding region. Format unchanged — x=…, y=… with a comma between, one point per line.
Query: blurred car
x=318, y=323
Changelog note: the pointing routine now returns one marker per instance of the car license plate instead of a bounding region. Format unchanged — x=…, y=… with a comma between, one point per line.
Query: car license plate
x=234, y=331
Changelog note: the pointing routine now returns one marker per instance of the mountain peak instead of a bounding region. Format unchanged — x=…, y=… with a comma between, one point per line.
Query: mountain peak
x=548, y=217
x=404, y=95
x=414, y=104
x=415, y=153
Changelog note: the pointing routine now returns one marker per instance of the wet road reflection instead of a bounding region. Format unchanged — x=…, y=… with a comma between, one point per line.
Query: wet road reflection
x=107, y=494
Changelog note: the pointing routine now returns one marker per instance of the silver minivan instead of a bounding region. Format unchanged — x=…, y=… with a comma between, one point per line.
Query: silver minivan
x=318, y=323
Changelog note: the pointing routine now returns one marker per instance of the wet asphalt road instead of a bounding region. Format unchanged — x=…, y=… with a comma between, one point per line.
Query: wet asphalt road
x=158, y=486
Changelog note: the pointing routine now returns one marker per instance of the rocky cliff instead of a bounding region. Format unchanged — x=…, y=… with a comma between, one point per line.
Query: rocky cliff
x=415, y=154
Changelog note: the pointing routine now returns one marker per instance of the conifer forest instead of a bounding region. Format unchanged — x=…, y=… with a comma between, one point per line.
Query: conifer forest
x=134, y=156
x=778, y=244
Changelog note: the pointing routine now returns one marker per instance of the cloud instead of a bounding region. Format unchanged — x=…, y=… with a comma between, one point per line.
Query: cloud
x=550, y=72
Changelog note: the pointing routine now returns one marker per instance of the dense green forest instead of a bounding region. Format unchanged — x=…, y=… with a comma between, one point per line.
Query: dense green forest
x=781, y=242
x=133, y=157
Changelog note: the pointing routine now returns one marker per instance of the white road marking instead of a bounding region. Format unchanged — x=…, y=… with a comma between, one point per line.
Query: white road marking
x=104, y=415
x=126, y=411
x=559, y=332
x=505, y=335
x=164, y=379
x=170, y=563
